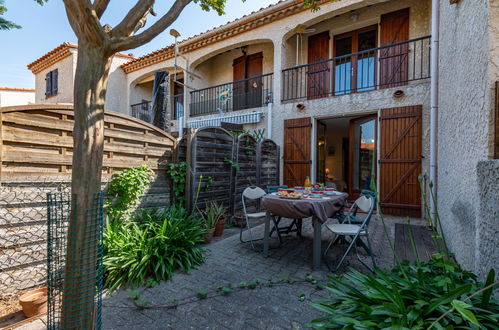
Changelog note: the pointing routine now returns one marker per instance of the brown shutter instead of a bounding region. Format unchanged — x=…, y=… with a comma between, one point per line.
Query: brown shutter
x=394, y=28
x=239, y=73
x=318, y=78
x=297, y=160
x=400, y=161
x=254, y=70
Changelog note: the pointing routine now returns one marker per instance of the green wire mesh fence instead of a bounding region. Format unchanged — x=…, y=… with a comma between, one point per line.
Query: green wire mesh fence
x=76, y=285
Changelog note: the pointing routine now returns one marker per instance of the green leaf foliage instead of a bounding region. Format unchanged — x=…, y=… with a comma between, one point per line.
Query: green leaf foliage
x=178, y=174
x=150, y=246
x=125, y=189
x=408, y=297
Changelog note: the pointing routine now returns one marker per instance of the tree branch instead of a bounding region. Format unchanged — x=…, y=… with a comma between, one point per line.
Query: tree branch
x=121, y=44
x=100, y=7
x=132, y=18
x=85, y=23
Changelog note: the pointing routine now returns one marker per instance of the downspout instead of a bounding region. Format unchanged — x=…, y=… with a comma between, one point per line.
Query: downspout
x=434, y=57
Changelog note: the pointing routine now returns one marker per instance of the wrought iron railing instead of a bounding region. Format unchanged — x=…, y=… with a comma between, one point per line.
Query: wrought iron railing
x=143, y=111
x=248, y=93
x=383, y=67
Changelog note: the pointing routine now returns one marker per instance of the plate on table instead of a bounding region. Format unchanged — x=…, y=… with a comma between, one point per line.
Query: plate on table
x=290, y=197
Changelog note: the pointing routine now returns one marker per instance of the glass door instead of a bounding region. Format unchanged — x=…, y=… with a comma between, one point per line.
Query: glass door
x=355, y=61
x=362, y=154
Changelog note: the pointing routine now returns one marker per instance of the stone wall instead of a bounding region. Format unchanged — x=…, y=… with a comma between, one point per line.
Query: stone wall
x=464, y=130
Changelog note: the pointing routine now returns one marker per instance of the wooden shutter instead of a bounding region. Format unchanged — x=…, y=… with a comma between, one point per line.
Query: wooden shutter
x=48, y=84
x=297, y=160
x=400, y=160
x=238, y=74
x=394, y=28
x=55, y=81
x=254, y=71
x=318, y=78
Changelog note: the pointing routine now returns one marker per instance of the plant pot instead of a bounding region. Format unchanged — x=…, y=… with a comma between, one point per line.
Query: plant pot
x=219, y=227
x=34, y=302
x=209, y=235
x=239, y=221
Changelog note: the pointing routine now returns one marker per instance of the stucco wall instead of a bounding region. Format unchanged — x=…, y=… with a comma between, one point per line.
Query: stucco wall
x=463, y=140
x=66, y=68
x=9, y=98
x=116, y=99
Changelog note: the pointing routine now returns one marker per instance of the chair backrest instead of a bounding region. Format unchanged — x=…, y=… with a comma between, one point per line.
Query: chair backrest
x=272, y=189
x=366, y=203
x=253, y=193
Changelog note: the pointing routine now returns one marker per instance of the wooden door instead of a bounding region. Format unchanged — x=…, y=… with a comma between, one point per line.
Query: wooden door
x=394, y=28
x=297, y=159
x=238, y=75
x=318, y=75
x=254, y=70
x=400, y=161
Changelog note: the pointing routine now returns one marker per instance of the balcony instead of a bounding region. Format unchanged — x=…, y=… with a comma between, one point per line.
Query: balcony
x=384, y=67
x=143, y=110
x=248, y=93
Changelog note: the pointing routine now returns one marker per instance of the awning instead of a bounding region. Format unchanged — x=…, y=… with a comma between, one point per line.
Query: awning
x=244, y=118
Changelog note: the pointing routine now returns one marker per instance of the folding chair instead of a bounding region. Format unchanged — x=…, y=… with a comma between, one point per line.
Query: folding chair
x=254, y=194
x=296, y=224
x=355, y=228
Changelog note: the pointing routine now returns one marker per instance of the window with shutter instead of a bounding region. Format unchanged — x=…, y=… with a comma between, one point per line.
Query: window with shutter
x=51, y=83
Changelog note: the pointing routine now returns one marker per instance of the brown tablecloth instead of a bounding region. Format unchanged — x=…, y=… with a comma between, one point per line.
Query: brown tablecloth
x=305, y=207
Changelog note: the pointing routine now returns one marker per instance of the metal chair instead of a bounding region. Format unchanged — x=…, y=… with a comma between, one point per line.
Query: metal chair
x=296, y=224
x=253, y=193
x=355, y=228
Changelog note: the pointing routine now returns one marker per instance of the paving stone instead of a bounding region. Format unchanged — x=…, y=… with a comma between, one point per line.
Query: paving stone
x=229, y=261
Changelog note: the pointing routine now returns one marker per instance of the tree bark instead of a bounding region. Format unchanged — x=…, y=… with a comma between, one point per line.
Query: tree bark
x=91, y=78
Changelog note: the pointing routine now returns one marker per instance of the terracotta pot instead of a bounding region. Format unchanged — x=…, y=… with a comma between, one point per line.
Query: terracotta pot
x=34, y=302
x=219, y=227
x=209, y=235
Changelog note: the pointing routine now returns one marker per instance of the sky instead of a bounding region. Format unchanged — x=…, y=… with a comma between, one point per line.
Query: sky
x=46, y=27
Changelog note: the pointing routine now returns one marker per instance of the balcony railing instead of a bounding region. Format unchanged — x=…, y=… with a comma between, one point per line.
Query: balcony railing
x=248, y=93
x=143, y=111
x=383, y=67
x=178, y=106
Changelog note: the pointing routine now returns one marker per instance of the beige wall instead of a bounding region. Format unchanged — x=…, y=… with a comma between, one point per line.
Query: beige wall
x=10, y=98
x=66, y=68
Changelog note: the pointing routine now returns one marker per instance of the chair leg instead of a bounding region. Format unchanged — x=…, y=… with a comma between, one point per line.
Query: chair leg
x=299, y=225
x=370, y=249
x=352, y=243
x=370, y=253
x=329, y=245
x=276, y=227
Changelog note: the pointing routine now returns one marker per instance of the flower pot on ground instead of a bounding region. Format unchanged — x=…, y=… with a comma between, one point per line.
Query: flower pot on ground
x=212, y=215
x=208, y=237
x=219, y=227
x=34, y=302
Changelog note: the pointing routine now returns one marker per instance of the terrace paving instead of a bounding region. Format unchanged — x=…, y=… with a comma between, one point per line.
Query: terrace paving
x=229, y=261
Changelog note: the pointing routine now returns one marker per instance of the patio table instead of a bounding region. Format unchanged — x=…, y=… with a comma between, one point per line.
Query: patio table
x=319, y=209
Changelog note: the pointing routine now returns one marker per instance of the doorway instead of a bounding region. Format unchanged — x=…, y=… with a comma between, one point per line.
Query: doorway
x=346, y=153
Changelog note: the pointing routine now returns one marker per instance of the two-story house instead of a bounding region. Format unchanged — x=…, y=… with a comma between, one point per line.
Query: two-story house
x=345, y=92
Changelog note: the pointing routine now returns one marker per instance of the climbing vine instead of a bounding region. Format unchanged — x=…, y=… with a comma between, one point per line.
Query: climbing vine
x=125, y=188
x=178, y=174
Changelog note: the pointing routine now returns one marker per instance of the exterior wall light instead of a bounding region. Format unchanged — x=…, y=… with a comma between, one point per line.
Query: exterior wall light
x=398, y=93
x=300, y=107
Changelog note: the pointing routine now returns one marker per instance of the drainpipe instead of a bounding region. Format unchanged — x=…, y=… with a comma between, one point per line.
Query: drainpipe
x=435, y=22
x=269, y=120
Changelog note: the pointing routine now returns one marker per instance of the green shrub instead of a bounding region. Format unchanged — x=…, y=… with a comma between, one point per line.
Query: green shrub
x=125, y=188
x=409, y=297
x=151, y=245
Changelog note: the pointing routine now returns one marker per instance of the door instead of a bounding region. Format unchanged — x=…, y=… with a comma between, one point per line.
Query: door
x=318, y=75
x=297, y=156
x=393, y=60
x=254, y=71
x=354, y=71
x=321, y=152
x=400, y=160
x=362, y=138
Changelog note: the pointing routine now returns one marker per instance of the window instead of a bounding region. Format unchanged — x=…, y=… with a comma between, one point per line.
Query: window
x=51, y=83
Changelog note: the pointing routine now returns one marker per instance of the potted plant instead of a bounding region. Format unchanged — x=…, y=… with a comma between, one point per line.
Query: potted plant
x=34, y=302
x=219, y=210
x=210, y=219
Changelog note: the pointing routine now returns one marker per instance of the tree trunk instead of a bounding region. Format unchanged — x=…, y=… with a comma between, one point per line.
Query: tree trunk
x=78, y=306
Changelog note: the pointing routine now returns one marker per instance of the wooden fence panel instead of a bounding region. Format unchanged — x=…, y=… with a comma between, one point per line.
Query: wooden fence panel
x=268, y=163
x=210, y=154
x=245, y=171
x=35, y=158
